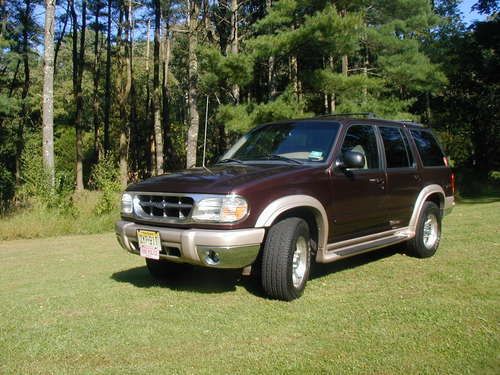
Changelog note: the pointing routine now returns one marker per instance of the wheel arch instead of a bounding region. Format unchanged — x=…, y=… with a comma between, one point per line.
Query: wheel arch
x=433, y=193
x=303, y=206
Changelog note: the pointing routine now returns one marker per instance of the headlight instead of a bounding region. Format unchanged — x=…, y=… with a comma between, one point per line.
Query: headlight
x=226, y=209
x=127, y=204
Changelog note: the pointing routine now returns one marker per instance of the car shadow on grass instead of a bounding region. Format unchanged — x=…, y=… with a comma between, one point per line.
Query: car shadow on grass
x=194, y=279
x=320, y=270
x=206, y=280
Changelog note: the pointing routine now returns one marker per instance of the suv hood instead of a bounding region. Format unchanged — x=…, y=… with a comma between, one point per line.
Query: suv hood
x=222, y=179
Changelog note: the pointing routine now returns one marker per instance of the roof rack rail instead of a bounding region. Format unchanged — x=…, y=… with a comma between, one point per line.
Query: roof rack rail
x=366, y=114
x=411, y=122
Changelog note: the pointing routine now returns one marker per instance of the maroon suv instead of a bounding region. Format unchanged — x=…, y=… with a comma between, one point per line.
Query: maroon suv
x=291, y=192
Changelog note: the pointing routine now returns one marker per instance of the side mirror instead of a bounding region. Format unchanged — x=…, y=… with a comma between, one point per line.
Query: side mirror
x=351, y=159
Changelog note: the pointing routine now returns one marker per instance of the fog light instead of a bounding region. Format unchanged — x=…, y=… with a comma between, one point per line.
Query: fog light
x=212, y=258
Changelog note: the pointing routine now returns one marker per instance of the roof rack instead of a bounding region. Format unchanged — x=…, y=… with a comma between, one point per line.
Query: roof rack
x=411, y=122
x=366, y=114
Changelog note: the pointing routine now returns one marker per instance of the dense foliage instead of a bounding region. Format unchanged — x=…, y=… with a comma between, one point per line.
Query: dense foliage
x=131, y=79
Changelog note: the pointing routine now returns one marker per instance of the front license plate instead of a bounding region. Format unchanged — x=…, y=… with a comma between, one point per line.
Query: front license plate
x=149, y=243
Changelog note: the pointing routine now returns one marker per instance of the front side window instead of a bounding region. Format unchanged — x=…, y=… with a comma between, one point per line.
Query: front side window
x=304, y=141
x=428, y=148
x=362, y=139
x=397, y=153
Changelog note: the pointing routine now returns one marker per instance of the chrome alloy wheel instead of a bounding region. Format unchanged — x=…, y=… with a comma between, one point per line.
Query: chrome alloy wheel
x=431, y=231
x=299, y=265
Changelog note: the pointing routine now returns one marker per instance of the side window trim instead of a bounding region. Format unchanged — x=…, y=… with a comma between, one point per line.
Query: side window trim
x=411, y=147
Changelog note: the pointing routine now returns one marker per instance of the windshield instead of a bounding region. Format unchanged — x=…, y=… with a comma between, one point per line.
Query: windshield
x=304, y=141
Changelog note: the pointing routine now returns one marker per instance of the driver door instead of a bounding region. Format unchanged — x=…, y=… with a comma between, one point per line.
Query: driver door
x=358, y=194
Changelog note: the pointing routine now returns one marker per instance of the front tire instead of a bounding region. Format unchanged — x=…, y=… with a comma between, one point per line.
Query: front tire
x=286, y=260
x=428, y=232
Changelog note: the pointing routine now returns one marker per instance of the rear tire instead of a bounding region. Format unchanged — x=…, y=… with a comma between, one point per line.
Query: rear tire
x=164, y=270
x=286, y=260
x=428, y=232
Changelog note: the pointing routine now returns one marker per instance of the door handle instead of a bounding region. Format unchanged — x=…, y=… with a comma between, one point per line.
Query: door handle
x=379, y=181
x=417, y=177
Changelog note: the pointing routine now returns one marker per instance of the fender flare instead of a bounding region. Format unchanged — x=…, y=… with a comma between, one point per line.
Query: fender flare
x=419, y=203
x=281, y=205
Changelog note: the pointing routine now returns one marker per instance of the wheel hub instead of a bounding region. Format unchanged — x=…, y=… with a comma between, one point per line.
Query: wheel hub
x=299, y=264
x=430, y=231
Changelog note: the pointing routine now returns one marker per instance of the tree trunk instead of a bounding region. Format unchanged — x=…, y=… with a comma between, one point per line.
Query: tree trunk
x=78, y=64
x=329, y=97
x=294, y=76
x=123, y=85
x=271, y=81
x=168, y=148
x=24, y=94
x=14, y=79
x=194, y=120
x=3, y=26
x=235, y=44
x=132, y=95
x=331, y=100
x=97, y=73
x=107, y=94
x=48, y=91
x=61, y=37
x=366, y=62
x=152, y=153
x=428, y=111
x=156, y=91
x=345, y=65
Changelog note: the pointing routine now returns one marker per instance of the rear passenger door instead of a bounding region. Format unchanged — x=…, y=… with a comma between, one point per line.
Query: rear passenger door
x=404, y=181
x=358, y=194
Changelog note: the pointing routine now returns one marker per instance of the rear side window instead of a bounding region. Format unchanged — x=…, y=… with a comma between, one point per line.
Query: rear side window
x=397, y=152
x=428, y=148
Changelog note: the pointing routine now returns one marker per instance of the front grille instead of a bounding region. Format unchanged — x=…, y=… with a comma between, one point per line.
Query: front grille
x=165, y=206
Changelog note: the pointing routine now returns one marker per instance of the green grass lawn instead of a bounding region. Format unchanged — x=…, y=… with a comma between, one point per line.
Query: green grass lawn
x=80, y=304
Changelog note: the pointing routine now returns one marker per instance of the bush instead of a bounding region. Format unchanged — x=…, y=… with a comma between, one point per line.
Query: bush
x=36, y=186
x=6, y=187
x=494, y=177
x=472, y=182
x=105, y=177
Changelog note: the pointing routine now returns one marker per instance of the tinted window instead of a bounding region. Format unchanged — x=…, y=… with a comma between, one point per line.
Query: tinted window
x=397, y=153
x=303, y=141
x=361, y=138
x=428, y=148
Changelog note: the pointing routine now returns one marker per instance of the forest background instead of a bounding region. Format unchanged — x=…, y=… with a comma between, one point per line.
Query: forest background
x=132, y=80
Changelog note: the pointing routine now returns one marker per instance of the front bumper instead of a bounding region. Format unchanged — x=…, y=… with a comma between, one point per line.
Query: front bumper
x=210, y=248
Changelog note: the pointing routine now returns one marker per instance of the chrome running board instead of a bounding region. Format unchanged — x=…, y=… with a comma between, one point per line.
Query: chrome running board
x=344, y=249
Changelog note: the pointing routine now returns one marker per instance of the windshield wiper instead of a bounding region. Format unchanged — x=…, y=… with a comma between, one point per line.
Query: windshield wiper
x=229, y=160
x=284, y=158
